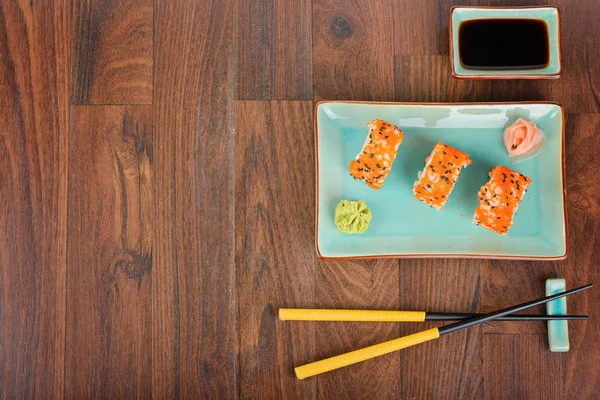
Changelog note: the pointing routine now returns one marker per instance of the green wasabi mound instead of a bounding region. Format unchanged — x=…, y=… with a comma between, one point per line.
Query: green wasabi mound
x=352, y=216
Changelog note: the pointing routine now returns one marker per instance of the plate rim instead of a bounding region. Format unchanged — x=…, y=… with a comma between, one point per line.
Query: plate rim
x=477, y=76
x=442, y=255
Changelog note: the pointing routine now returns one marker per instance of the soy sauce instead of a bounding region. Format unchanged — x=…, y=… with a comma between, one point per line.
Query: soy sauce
x=504, y=44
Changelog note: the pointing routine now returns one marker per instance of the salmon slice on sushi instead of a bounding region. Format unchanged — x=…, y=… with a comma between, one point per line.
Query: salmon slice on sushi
x=374, y=162
x=499, y=199
x=442, y=168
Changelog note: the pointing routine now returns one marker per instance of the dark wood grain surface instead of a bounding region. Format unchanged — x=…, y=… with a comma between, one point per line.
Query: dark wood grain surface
x=157, y=204
x=193, y=314
x=109, y=232
x=270, y=274
x=33, y=199
x=112, y=51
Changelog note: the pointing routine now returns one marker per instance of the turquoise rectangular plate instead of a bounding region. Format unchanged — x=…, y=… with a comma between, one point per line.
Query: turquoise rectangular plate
x=548, y=14
x=402, y=226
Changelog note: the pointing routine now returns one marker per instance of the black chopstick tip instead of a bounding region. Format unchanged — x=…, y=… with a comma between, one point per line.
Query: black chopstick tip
x=507, y=311
x=589, y=285
x=512, y=317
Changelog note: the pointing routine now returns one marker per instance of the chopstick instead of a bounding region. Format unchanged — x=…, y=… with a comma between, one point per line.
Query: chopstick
x=377, y=350
x=312, y=314
x=520, y=317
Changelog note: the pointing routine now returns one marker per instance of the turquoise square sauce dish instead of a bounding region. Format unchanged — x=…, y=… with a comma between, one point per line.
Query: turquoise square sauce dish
x=550, y=15
x=401, y=225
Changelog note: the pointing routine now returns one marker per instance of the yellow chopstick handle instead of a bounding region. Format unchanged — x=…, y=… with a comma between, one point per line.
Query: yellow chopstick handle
x=310, y=314
x=367, y=353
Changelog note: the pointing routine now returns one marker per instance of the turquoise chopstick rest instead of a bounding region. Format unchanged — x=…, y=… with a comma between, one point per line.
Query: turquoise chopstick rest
x=558, y=331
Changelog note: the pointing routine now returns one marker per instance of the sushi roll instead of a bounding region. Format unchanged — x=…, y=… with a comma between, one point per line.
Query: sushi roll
x=442, y=167
x=499, y=199
x=375, y=160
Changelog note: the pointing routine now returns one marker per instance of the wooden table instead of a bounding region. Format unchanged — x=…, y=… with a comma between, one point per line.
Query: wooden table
x=157, y=204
